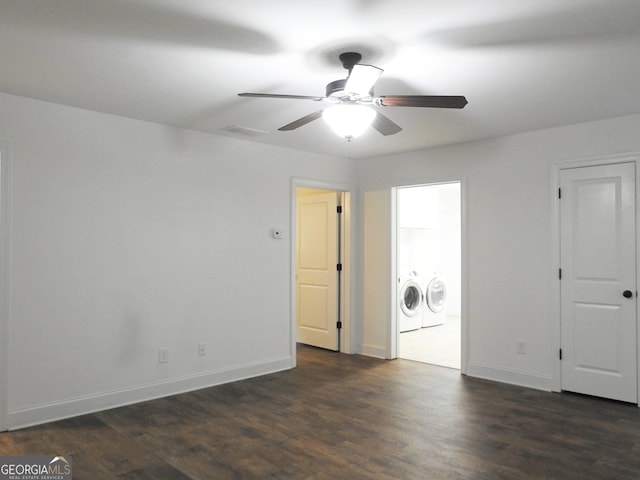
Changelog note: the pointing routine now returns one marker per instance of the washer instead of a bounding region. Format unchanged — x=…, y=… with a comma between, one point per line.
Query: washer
x=435, y=298
x=410, y=302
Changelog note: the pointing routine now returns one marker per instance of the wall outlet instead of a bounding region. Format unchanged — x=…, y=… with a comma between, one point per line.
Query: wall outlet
x=202, y=349
x=521, y=347
x=163, y=355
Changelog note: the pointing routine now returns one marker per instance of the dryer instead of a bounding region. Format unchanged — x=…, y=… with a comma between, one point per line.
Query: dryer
x=435, y=299
x=410, y=302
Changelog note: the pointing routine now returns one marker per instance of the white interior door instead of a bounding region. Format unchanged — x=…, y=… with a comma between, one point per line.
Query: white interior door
x=598, y=281
x=317, y=274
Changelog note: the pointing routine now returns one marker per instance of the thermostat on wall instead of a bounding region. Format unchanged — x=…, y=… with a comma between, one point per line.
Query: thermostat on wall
x=277, y=233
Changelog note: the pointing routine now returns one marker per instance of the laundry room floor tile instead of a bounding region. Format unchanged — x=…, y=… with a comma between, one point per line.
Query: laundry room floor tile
x=438, y=345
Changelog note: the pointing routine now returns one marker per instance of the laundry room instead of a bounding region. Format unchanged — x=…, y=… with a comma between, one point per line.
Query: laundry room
x=428, y=266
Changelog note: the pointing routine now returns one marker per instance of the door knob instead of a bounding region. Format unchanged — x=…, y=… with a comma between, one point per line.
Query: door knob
x=627, y=294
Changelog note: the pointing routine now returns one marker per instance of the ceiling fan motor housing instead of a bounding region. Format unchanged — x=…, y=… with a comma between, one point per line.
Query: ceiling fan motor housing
x=336, y=88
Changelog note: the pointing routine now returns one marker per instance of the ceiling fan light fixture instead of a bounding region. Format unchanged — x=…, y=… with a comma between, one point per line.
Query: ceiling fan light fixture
x=349, y=121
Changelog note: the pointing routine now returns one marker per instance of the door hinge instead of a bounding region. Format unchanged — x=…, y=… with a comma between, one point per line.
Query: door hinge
x=560, y=354
x=559, y=193
x=339, y=325
x=559, y=274
x=339, y=209
x=339, y=267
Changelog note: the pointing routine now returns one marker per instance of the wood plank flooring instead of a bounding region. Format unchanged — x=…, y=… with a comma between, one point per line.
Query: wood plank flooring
x=349, y=417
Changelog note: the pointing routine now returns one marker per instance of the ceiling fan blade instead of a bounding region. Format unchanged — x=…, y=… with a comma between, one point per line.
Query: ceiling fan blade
x=362, y=79
x=384, y=125
x=301, y=121
x=274, y=95
x=436, y=101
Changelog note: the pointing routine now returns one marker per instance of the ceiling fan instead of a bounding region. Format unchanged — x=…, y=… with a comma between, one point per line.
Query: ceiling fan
x=357, y=91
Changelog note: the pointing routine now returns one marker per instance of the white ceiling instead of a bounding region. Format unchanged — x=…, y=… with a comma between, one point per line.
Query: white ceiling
x=522, y=64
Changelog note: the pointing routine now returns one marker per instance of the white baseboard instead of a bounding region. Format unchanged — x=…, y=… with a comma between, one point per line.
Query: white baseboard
x=373, y=351
x=107, y=400
x=514, y=377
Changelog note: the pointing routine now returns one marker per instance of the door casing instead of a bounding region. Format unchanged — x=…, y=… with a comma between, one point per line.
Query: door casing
x=4, y=283
x=346, y=336
x=392, y=326
x=555, y=341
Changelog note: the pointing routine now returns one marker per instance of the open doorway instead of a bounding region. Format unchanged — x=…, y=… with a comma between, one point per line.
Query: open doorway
x=428, y=267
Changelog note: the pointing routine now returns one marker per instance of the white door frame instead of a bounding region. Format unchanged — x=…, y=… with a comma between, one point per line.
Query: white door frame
x=555, y=343
x=346, y=336
x=5, y=151
x=392, y=331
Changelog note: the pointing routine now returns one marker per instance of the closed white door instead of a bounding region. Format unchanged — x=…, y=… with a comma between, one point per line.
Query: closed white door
x=317, y=271
x=598, y=281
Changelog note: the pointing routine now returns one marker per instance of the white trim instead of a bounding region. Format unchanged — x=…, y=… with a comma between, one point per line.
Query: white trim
x=565, y=164
x=511, y=376
x=5, y=158
x=346, y=339
x=392, y=335
x=464, y=282
x=374, y=351
x=345, y=285
x=94, y=403
x=626, y=157
x=556, y=338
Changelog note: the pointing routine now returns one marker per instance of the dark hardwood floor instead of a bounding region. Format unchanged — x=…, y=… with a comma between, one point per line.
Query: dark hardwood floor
x=349, y=417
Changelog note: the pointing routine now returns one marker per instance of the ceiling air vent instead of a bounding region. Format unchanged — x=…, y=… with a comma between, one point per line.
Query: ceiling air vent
x=243, y=131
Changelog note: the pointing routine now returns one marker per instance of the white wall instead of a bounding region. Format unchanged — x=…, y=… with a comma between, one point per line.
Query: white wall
x=127, y=237
x=509, y=205
x=376, y=274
